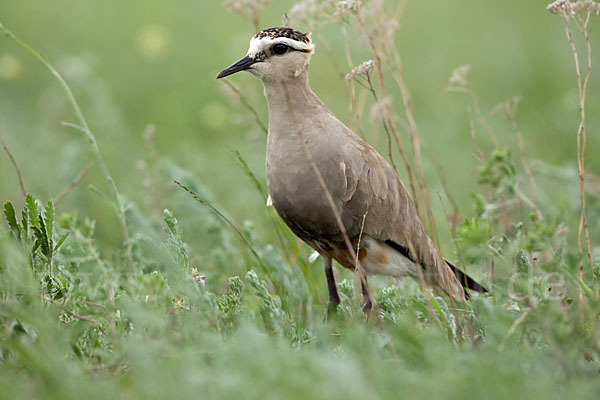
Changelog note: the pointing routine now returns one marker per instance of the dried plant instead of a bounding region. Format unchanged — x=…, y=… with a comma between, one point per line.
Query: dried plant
x=572, y=8
x=580, y=12
x=249, y=9
x=15, y=165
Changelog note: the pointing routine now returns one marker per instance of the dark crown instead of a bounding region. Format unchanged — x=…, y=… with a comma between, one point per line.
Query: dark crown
x=283, y=32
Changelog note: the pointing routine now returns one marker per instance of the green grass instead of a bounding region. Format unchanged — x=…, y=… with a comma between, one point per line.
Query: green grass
x=178, y=329
x=222, y=301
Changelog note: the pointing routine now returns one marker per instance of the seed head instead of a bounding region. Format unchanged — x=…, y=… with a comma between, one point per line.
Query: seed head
x=363, y=69
x=568, y=8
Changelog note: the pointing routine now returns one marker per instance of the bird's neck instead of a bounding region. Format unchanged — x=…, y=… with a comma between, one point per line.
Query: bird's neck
x=290, y=99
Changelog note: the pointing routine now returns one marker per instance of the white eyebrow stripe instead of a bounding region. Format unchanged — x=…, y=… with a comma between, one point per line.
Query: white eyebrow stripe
x=258, y=45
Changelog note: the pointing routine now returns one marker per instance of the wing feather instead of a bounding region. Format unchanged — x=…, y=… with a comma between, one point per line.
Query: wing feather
x=374, y=188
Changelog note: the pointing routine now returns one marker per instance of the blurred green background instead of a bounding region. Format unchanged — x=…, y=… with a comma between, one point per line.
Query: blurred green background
x=138, y=62
x=135, y=63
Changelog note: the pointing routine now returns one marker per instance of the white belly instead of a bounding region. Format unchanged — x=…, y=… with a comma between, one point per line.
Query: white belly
x=382, y=259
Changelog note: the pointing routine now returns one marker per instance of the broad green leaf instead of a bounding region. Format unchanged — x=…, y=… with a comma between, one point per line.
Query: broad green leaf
x=11, y=218
x=60, y=242
x=25, y=223
x=42, y=235
x=37, y=233
x=32, y=210
x=49, y=220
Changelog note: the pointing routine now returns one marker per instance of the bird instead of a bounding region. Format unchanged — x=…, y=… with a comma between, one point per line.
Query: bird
x=333, y=189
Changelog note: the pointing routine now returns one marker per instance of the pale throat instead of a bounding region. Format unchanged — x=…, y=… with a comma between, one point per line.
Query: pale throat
x=292, y=92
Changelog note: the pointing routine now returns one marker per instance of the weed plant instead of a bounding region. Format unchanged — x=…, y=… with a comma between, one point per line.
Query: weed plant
x=243, y=318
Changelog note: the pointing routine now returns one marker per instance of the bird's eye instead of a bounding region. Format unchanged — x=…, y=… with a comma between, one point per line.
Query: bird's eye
x=279, y=49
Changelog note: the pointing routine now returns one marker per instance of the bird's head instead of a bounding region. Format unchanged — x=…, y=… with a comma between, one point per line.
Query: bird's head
x=275, y=54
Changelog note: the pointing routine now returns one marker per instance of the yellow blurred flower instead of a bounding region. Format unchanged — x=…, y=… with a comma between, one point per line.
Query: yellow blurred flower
x=152, y=41
x=213, y=115
x=10, y=66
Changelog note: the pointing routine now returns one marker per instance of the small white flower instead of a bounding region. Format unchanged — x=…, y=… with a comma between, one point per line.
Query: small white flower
x=569, y=8
x=343, y=9
x=459, y=76
x=363, y=69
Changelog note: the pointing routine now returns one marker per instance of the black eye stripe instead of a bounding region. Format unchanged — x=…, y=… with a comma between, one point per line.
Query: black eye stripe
x=278, y=49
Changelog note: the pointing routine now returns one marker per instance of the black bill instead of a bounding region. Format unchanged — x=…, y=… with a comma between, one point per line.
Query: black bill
x=241, y=65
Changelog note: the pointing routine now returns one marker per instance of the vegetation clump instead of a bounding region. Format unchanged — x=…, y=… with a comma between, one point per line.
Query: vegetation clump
x=182, y=300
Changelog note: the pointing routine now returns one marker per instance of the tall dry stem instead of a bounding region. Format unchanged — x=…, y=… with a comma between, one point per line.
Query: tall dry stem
x=15, y=165
x=580, y=12
x=379, y=28
x=249, y=9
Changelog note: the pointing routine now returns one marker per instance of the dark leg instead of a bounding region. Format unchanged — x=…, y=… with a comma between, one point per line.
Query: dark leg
x=334, y=298
x=366, y=296
x=370, y=307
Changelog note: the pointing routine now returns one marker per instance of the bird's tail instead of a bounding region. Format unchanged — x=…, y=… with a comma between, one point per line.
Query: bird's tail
x=466, y=281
